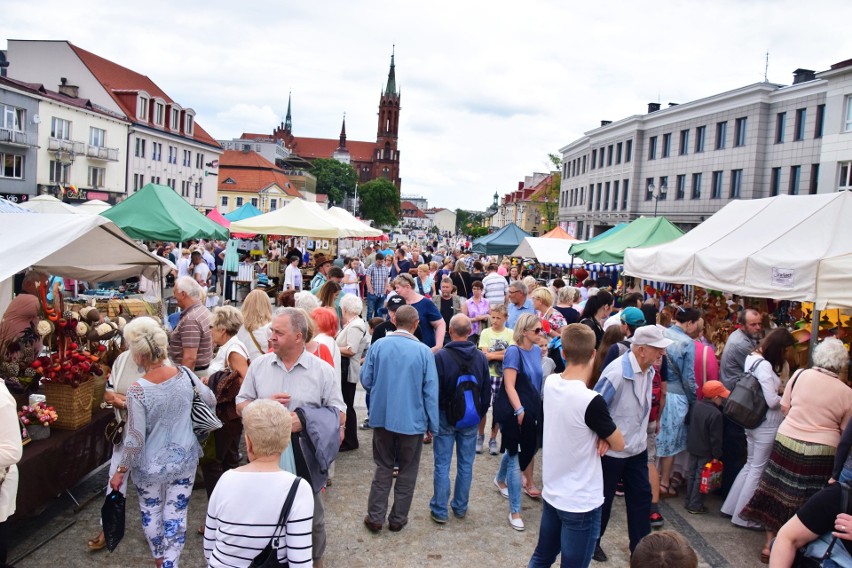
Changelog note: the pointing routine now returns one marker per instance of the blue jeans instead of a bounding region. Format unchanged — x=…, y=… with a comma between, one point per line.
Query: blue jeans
x=572, y=534
x=510, y=474
x=374, y=304
x=442, y=447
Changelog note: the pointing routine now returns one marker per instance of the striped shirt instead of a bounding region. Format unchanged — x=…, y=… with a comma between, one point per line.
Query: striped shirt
x=193, y=332
x=243, y=513
x=495, y=288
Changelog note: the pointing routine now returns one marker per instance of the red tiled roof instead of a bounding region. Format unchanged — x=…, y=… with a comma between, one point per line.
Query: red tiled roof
x=116, y=78
x=253, y=136
x=411, y=210
x=325, y=147
x=38, y=89
x=322, y=198
x=252, y=173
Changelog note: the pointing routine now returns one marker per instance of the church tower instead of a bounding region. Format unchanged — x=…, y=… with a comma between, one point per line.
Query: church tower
x=386, y=163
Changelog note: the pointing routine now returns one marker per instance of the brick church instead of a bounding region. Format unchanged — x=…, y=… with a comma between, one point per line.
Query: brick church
x=370, y=159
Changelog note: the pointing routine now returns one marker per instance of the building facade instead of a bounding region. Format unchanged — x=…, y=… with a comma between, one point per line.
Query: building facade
x=688, y=160
x=19, y=124
x=443, y=219
x=528, y=206
x=247, y=177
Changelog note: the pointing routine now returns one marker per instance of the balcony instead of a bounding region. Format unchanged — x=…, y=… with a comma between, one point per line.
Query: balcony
x=65, y=146
x=102, y=153
x=17, y=138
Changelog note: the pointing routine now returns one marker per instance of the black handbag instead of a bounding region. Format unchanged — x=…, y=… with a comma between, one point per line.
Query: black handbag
x=268, y=557
x=746, y=404
x=114, y=431
x=112, y=517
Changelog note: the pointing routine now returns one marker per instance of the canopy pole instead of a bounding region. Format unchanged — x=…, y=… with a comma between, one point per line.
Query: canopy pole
x=814, y=335
x=571, y=270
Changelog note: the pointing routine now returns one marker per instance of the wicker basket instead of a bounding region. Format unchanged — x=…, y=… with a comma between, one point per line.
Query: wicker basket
x=73, y=405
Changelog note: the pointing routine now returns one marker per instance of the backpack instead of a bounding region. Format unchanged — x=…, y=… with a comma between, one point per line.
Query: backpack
x=746, y=404
x=463, y=408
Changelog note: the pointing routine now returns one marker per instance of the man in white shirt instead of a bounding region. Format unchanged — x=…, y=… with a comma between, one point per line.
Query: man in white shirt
x=496, y=287
x=200, y=270
x=577, y=432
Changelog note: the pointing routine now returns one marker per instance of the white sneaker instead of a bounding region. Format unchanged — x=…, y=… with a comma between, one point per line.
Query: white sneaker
x=504, y=491
x=517, y=524
x=480, y=440
x=492, y=447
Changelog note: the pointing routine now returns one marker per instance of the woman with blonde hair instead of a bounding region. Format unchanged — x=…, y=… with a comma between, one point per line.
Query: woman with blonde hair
x=424, y=284
x=257, y=317
x=543, y=303
x=461, y=279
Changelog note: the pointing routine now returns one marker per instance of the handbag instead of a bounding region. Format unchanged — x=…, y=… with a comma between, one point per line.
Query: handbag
x=268, y=557
x=802, y=560
x=746, y=405
x=112, y=517
x=204, y=419
x=114, y=431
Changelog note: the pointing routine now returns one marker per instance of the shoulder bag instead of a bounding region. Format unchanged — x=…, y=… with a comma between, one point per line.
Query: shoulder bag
x=204, y=419
x=802, y=560
x=268, y=557
x=746, y=404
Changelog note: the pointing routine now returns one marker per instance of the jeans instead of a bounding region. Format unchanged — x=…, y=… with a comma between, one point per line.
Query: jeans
x=694, y=499
x=633, y=472
x=375, y=302
x=510, y=474
x=442, y=448
x=572, y=534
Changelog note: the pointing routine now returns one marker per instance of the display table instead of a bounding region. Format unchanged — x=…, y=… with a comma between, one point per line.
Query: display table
x=50, y=467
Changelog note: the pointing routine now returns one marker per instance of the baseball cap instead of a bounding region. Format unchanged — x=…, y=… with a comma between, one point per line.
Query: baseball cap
x=712, y=389
x=650, y=335
x=394, y=302
x=633, y=316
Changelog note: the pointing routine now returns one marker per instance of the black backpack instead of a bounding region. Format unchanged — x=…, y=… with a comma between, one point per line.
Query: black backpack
x=746, y=404
x=463, y=410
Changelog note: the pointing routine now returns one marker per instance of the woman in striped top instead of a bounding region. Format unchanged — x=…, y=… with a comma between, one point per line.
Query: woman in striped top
x=241, y=515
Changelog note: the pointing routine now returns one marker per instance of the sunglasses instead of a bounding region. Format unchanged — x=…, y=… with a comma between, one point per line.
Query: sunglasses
x=536, y=330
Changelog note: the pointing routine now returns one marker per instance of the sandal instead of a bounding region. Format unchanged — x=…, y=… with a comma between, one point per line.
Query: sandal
x=533, y=493
x=667, y=491
x=677, y=481
x=764, y=556
x=97, y=543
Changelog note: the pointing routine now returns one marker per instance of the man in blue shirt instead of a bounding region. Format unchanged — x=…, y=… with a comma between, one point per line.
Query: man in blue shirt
x=518, y=303
x=399, y=373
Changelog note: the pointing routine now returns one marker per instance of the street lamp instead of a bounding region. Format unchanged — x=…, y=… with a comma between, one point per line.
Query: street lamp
x=657, y=192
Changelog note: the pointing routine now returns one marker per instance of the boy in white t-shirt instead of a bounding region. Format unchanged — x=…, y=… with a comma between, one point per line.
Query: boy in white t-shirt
x=577, y=432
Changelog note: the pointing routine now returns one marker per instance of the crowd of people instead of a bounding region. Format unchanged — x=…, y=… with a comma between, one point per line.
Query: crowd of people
x=621, y=395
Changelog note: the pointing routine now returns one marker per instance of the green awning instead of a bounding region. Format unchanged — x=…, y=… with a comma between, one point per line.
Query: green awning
x=504, y=241
x=610, y=247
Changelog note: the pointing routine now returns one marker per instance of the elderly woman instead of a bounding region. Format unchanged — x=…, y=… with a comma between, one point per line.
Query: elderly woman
x=231, y=356
x=817, y=407
x=234, y=532
x=160, y=448
x=352, y=341
x=565, y=299
x=461, y=279
x=542, y=299
x=424, y=283
x=257, y=316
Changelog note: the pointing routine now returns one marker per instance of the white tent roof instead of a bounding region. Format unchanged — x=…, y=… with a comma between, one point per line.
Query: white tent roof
x=548, y=251
x=298, y=218
x=93, y=206
x=785, y=247
x=84, y=247
x=349, y=221
x=48, y=204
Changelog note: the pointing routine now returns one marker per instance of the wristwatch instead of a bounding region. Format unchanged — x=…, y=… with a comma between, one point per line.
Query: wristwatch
x=121, y=469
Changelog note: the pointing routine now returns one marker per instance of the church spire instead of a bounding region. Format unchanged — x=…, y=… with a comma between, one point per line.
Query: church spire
x=343, y=133
x=391, y=88
x=288, y=121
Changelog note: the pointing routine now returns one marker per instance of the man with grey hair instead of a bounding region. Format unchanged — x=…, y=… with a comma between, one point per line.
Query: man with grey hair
x=399, y=373
x=518, y=303
x=191, y=343
x=295, y=378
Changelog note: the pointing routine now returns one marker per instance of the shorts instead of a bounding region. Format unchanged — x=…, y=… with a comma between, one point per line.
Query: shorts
x=652, y=441
x=496, y=383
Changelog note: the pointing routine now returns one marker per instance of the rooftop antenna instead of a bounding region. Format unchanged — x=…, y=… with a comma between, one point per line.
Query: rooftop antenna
x=766, y=69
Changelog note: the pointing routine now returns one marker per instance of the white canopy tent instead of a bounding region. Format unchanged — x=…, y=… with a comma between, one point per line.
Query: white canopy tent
x=299, y=219
x=93, y=207
x=553, y=252
x=786, y=248
x=48, y=204
x=349, y=221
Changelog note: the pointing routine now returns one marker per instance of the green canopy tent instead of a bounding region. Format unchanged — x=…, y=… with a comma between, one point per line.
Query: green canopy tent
x=247, y=211
x=504, y=241
x=158, y=213
x=610, y=247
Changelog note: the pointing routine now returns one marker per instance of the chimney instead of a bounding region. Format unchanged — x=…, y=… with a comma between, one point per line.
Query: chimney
x=673, y=104
x=68, y=90
x=605, y=122
x=803, y=76
x=653, y=107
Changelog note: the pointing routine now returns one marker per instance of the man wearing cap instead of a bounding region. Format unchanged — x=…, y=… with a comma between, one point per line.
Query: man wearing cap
x=378, y=284
x=704, y=441
x=625, y=385
x=321, y=276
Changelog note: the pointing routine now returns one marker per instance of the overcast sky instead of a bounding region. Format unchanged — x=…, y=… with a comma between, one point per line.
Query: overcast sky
x=488, y=88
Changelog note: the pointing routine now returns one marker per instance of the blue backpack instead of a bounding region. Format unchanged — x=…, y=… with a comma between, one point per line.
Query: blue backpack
x=463, y=408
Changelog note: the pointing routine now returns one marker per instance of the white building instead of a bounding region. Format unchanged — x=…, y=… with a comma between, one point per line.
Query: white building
x=444, y=219
x=165, y=144
x=688, y=160
x=271, y=149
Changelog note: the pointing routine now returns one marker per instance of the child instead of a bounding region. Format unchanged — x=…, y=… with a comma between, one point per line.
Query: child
x=493, y=341
x=704, y=441
x=664, y=549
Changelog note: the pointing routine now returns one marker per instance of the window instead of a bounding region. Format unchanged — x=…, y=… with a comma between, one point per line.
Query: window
x=187, y=158
x=140, y=148
x=600, y=196
x=795, y=177
x=848, y=123
x=175, y=122
x=664, y=187
x=615, y=194
x=820, y=121
x=625, y=189
x=652, y=148
x=60, y=128
x=628, y=151
x=667, y=145
x=717, y=185
x=591, y=195
x=681, y=186
x=594, y=158
x=736, y=184
x=254, y=201
x=197, y=192
x=775, y=182
x=13, y=118
x=618, y=148
x=97, y=177
x=700, y=135
x=138, y=181
x=172, y=155
x=606, y=196
x=609, y=155
x=649, y=191
x=199, y=160
x=223, y=201
x=239, y=202
x=814, y=179
x=684, y=142
x=584, y=164
x=601, y=158
x=799, y=133
x=273, y=204
x=696, y=186
x=58, y=172
x=155, y=180
x=188, y=127
x=845, y=181
x=97, y=137
x=740, y=132
x=13, y=166
x=156, y=151
x=721, y=134
x=159, y=113
x=780, y=123
x=142, y=108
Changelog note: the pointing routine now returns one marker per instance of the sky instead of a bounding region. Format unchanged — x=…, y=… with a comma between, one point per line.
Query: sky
x=489, y=89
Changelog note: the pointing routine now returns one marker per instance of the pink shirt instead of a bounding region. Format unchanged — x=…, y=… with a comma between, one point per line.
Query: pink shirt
x=706, y=366
x=820, y=407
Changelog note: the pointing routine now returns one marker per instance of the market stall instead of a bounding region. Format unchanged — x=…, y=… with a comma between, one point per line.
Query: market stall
x=504, y=241
x=48, y=204
x=93, y=207
x=642, y=232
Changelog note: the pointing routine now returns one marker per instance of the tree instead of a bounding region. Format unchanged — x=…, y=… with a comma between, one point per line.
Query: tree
x=551, y=192
x=335, y=179
x=467, y=219
x=379, y=202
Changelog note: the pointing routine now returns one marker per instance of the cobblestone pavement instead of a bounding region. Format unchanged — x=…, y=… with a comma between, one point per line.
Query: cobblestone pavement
x=57, y=537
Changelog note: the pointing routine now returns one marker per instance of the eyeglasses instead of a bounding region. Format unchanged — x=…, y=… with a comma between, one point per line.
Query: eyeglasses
x=536, y=330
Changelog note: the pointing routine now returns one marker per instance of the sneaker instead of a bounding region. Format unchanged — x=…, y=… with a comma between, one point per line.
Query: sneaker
x=480, y=440
x=657, y=520
x=437, y=519
x=700, y=511
x=504, y=491
x=619, y=489
x=365, y=425
x=599, y=555
x=517, y=524
x=492, y=447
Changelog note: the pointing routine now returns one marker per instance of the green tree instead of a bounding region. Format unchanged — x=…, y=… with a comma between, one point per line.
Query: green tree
x=335, y=179
x=551, y=192
x=379, y=202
